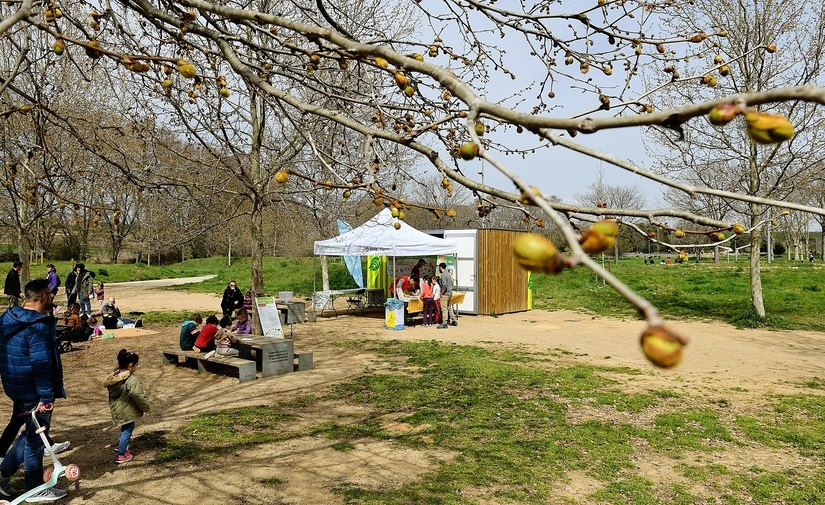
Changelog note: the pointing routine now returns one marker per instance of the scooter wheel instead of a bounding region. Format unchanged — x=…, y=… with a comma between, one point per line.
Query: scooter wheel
x=47, y=474
x=72, y=472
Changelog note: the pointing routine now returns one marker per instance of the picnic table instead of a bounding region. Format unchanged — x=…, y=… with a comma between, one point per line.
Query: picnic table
x=326, y=298
x=272, y=356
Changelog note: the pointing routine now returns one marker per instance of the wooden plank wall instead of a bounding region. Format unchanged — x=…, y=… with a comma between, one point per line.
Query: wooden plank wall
x=501, y=283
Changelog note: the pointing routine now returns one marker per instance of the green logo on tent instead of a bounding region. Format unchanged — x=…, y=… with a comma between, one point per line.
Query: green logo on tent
x=375, y=264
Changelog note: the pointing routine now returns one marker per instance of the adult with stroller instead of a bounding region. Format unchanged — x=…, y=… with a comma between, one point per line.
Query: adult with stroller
x=32, y=376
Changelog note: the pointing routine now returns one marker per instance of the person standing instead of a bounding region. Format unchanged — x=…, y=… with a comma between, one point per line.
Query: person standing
x=415, y=273
x=447, y=313
x=232, y=299
x=436, y=300
x=71, y=287
x=32, y=377
x=12, y=287
x=85, y=285
x=127, y=401
x=429, y=304
x=100, y=293
x=53, y=278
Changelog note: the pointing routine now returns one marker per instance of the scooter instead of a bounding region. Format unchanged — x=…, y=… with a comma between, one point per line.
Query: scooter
x=51, y=474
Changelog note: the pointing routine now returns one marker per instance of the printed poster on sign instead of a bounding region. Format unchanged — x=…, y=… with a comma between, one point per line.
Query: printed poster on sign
x=269, y=317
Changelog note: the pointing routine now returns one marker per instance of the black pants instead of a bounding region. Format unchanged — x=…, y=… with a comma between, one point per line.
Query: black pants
x=17, y=421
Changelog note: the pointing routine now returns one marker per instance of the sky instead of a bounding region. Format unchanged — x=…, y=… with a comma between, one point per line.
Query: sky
x=556, y=170
x=564, y=173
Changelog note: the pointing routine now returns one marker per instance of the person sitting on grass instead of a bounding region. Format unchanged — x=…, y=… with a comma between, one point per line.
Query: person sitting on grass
x=73, y=319
x=224, y=338
x=111, y=314
x=189, y=332
x=206, y=340
x=243, y=326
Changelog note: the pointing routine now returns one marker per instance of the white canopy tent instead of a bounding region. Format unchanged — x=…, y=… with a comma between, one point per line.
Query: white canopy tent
x=378, y=237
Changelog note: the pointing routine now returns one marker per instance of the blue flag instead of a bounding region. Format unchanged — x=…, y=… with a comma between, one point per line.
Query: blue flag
x=353, y=262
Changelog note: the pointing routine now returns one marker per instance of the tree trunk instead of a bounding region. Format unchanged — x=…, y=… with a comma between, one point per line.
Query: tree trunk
x=756, y=273
x=24, y=251
x=757, y=301
x=256, y=218
x=324, y=274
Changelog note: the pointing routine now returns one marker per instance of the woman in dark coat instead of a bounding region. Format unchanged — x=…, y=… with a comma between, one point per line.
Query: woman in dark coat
x=232, y=299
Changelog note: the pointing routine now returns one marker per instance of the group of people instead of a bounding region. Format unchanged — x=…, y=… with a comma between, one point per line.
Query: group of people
x=434, y=292
x=217, y=335
x=32, y=376
x=80, y=288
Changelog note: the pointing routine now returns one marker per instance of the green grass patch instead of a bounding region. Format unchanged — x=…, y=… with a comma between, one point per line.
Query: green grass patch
x=219, y=433
x=797, y=421
x=789, y=487
x=515, y=428
x=704, y=290
x=692, y=430
x=815, y=383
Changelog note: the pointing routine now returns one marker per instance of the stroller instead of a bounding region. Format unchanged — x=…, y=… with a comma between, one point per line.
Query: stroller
x=67, y=335
x=50, y=475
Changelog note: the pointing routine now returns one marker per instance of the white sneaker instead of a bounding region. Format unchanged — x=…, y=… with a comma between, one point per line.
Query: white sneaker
x=210, y=354
x=59, y=447
x=50, y=494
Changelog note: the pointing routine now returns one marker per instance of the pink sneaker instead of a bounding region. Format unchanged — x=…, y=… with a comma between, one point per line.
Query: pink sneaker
x=125, y=458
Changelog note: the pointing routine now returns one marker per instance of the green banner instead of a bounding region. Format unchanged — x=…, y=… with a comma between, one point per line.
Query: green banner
x=529, y=291
x=377, y=274
x=449, y=260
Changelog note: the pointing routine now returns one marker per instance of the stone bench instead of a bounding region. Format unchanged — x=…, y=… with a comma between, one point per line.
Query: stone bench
x=243, y=369
x=303, y=361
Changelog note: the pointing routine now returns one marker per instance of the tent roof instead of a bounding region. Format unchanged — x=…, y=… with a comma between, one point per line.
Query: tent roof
x=379, y=237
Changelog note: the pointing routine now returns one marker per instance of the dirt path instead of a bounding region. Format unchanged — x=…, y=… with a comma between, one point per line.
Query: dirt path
x=718, y=358
x=145, y=296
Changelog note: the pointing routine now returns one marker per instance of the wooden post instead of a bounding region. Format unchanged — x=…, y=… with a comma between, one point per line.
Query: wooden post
x=257, y=329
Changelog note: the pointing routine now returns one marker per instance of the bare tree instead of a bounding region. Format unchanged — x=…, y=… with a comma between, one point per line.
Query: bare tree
x=448, y=92
x=730, y=160
x=601, y=193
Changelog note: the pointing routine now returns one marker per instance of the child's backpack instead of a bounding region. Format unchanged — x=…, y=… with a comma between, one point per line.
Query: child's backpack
x=58, y=279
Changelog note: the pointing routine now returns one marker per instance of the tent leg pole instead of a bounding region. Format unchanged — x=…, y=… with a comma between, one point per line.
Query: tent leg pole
x=314, y=277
